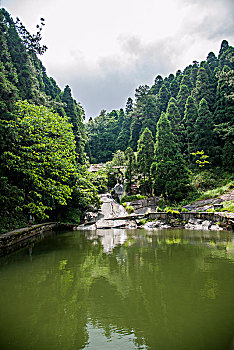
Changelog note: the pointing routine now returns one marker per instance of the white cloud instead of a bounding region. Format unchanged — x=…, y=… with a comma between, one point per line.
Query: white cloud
x=104, y=49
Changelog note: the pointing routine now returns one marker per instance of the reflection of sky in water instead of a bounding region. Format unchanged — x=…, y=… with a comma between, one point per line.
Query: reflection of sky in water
x=120, y=289
x=109, y=238
x=115, y=340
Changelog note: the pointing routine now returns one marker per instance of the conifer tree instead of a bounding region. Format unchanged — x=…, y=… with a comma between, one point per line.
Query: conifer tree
x=193, y=73
x=163, y=98
x=182, y=98
x=190, y=117
x=124, y=135
x=212, y=61
x=202, y=87
x=186, y=81
x=204, y=129
x=179, y=76
x=129, y=106
x=168, y=169
x=147, y=113
x=135, y=130
x=141, y=93
x=224, y=111
x=130, y=168
x=158, y=82
x=224, y=117
x=224, y=47
x=174, y=117
x=75, y=114
x=145, y=156
x=174, y=88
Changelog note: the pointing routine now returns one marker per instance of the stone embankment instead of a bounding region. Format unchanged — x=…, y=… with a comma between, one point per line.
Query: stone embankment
x=19, y=238
x=192, y=220
x=22, y=237
x=211, y=203
x=113, y=215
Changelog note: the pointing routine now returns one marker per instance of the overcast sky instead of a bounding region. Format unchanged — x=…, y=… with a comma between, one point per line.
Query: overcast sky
x=105, y=49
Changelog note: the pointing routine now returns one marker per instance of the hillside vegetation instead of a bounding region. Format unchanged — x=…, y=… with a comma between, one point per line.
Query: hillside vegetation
x=43, y=173
x=175, y=140
x=177, y=135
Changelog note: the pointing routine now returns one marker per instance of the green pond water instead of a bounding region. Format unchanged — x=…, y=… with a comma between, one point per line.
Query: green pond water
x=119, y=289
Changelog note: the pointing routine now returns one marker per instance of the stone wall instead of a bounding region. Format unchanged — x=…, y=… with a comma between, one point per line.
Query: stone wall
x=16, y=239
x=197, y=220
x=143, y=206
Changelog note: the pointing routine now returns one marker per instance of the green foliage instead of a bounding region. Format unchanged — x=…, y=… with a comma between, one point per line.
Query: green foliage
x=202, y=86
x=132, y=198
x=100, y=181
x=129, y=209
x=130, y=168
x=47, y=170
x=169, y=210
x=212, y=61
x=145, y=152
x=103, y=134
x=31, y=42
x=228, y=206
x=42, y=160
x=169, y=169
x=163, y=98
x=43, y=156
x=217, y=191
x=195, y=126
x=190, y=118
x=182, y=98
x=184, y=210
x=204, y=128
x=143, y=221
x=174, y=117
x=174, y=88
x=145, y=156
x=202, y=158
x=158, y=209
x=129, y=106
x=76, y=114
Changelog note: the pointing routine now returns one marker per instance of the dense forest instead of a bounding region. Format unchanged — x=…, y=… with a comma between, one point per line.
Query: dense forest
x=182, y=123
x=43, y=173
x=175, y=128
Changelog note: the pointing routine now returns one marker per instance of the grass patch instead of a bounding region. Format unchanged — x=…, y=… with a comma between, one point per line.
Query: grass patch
x=170, y=210
x=129, y=208
x=132, y=198
x=228, y=206
x=216, y=192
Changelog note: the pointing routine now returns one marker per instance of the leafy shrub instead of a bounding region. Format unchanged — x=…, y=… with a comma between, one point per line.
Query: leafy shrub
x=228, y=206
x=217, y=191
x=171, y=211
x=158, y=209
x=132, y=198
x=129, y=209
x=143, y=221
x=184, y=210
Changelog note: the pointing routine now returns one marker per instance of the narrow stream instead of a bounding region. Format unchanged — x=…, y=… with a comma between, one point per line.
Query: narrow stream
x=119, y=289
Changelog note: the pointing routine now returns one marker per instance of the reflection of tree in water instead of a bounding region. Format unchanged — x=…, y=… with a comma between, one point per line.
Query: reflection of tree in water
x=160, y=287
x=144, y=292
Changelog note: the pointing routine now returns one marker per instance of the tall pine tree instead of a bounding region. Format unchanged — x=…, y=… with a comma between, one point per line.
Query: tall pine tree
x=145, y=156
x=190, y=118
x=168, y=169
x=204, y=129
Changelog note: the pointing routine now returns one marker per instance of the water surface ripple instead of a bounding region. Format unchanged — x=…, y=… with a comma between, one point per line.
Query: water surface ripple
x=119, y=289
